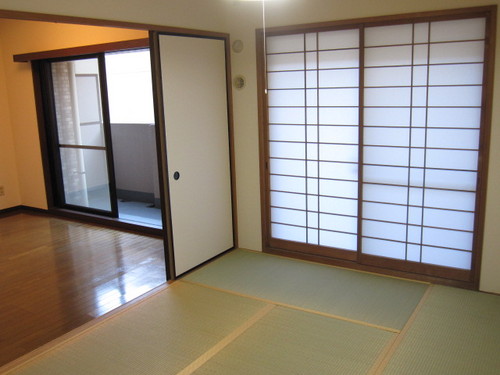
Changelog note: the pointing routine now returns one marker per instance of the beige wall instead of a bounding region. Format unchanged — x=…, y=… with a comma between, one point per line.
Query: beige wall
x=241, y=20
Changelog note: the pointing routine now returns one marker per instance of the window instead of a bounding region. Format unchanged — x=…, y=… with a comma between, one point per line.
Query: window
x=375, y=141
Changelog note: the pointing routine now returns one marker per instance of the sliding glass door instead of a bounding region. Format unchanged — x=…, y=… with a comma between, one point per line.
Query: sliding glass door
x=80, y=136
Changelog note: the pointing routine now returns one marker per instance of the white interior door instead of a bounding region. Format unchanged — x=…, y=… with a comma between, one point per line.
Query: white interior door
x=197, y=142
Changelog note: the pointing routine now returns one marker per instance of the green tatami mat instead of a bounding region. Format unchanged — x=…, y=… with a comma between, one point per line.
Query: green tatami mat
x=287, y=341
x=162, y=335
x=456, y=332
x=365, y=297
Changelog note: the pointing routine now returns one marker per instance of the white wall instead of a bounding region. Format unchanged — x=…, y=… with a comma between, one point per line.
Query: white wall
x=241, y=20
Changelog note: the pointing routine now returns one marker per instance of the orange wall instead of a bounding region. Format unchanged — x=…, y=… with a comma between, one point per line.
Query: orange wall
x=24, y=184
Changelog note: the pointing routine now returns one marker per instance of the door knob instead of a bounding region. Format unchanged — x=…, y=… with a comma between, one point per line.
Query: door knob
x=177, y=175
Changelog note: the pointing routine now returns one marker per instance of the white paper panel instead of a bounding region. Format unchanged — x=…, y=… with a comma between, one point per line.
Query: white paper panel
x=415, y=234
x=388, y=35
x=386, y=155
x=339, y=59
x=464, y=74
x=285, y=43
x=338, y=153
x=287, y=167
x=287, y=232
x=453, y=138
x=312, y=79
x=387, y=116
x=284, y=216
x=311, y=60
x=287, y=133
x=340, y=171
x=288, y=61
x=457, y=200
x=312, y=169
x=339, y=78
x=383, y=193
x=448, y=258
x=458, y=30
x=285, y=80
x=419, y=96
x=312, y=151
x=338, y=97
x=313, y=236
x=312, y=186
x=413, y=252
x=287, y=150
x=457, y=52
x=312, y=220
x=419, y=117
x=385, y=212
x=345, y=189
x=312, y=115
x=339, y=134
x=313, y=203
x=291, y=184
x=416, y=177
x=388, y=249
x=311, y=41
x=455, y=180
x=392, y=76
x=341, y=206
x=448, y=219
x=452, y=159
x=286, y=116
x=420, y=75
x=338, y=223
x=388, y=231
x=448, y=238
x=386, y=175
x=415, y=215
x=387, y=97
x=418, y=137
x=338, y=39
x=386, y=136
x=416, y=196
x=338, y=240
x=338, y=116
x=286, y=98
x=289, y=200
x=421, y=32
x=388, y=56
x=457, y=96
x=417, y=157
x=420, y=54
x=311, y=98
x=454, y=117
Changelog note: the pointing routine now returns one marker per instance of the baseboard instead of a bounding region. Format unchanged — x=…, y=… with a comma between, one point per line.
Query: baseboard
x=20, y=209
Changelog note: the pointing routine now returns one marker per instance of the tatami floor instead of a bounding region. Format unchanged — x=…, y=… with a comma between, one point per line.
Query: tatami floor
x=252, y=313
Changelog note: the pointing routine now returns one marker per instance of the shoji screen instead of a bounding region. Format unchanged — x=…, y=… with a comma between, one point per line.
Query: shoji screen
x=373, y=136
x=313, y=100
x=422, y=106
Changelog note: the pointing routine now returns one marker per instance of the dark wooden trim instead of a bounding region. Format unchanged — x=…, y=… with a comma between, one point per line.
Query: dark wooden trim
x=232, y=155
x=30, y=16
x=394, y=19
x=83, y=50
x=319, y=250
x=20, y=209
x=369, y=268
x=161, y=149
x=484, y=144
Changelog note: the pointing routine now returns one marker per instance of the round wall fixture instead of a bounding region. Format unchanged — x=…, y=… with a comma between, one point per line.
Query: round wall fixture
x=239, y=81
x=237, y=46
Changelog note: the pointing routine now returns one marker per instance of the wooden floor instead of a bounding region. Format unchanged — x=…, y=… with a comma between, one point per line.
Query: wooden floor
x=56, y=275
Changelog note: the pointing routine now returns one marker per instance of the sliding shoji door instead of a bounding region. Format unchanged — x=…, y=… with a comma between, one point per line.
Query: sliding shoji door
x=313, y=100
x=422, y=112
x=375, y=140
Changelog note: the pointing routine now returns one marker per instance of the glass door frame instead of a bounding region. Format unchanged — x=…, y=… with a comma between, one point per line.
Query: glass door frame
x=54, y=145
